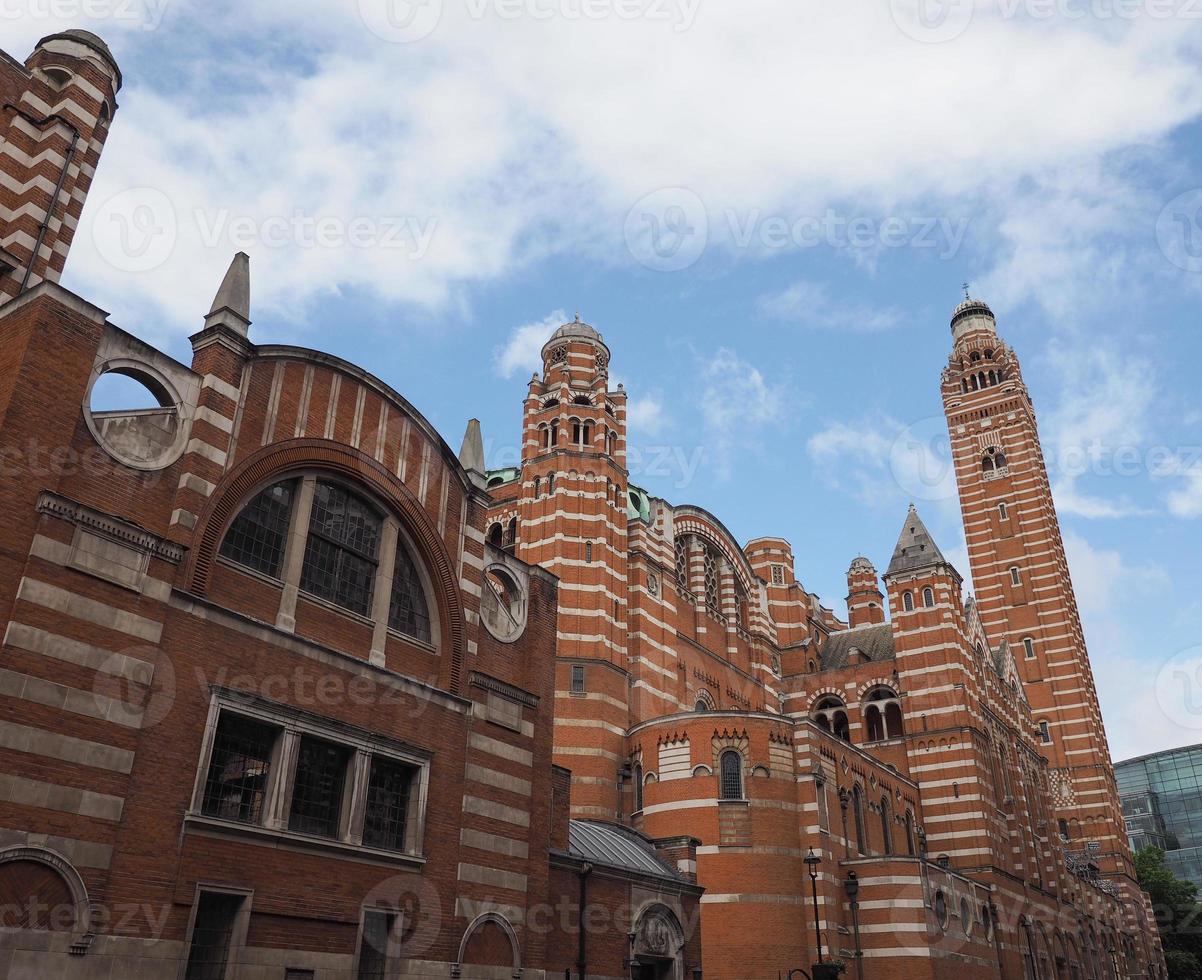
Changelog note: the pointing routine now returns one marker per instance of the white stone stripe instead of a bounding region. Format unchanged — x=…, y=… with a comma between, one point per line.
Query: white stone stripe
x=88, y=610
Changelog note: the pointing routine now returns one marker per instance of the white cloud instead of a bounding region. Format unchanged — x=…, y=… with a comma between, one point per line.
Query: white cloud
x=1099, y=426
x=1111, y=592
x=810, y=304
x=645, y=416
x=500, y=140
x=1185, y=499
x=736, y=403
x=523, y=350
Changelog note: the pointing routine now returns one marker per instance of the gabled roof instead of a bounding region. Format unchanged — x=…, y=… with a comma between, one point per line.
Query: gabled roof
x=874, y=642
x=617, y=847
x=915, y=547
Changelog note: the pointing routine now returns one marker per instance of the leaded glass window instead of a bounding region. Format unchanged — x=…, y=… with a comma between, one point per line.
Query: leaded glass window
x=732, y=775
x=409, y=612
x=258, y=534
x=239, y=769
x=340, y=554
x=387, y=810
x=682, y=564
x=317, y=791
x=711, y=581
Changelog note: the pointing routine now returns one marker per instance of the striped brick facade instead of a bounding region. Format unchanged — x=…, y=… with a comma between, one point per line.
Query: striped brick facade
x=901, y=745
x=55, y=112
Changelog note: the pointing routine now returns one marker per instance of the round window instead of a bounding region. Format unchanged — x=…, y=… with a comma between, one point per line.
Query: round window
x=135, y=415
x=941, y=909
x=503, y=604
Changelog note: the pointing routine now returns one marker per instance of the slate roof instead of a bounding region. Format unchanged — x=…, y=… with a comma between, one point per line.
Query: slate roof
x=617, y=847
x=915, y=547
x=875, y=642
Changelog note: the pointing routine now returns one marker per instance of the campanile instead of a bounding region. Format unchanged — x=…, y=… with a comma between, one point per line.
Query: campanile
x=1021, y=577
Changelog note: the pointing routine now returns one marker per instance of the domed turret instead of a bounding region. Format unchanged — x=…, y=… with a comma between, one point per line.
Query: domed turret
x=865, y=603
x=972, y=316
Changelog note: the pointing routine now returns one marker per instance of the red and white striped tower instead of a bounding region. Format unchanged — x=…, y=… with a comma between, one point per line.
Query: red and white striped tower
x=1024, y=591
x=55, y=112
x=572, y=514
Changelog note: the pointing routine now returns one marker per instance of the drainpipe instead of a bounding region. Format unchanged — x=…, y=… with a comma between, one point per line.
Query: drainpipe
x=58, y=189
x=582, y=948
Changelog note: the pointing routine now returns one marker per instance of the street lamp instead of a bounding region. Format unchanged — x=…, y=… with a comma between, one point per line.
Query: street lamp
x=812, y=861
x=852, y=887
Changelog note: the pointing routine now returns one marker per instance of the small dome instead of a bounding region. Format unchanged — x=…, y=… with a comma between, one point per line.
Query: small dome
x=577, y=329
x=971, y=307
x=861, y=564
x=93, y=41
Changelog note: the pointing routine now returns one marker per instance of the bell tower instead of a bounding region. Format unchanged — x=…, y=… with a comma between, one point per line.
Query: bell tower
x=573, y=517
x=1020, y=573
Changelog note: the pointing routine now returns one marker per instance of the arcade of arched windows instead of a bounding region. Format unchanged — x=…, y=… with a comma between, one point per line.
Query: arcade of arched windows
x=880, y=712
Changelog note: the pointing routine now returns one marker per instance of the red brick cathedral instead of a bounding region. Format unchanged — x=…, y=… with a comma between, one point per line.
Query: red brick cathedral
x=292, y=691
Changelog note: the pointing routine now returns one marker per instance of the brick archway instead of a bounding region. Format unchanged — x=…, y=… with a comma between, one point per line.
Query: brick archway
x=279, y=459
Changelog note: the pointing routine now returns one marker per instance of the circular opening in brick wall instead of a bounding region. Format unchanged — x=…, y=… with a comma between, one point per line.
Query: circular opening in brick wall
x=135, y=414
x=503, y=603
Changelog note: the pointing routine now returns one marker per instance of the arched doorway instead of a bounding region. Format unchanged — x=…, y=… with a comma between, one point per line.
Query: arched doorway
x=658, y=945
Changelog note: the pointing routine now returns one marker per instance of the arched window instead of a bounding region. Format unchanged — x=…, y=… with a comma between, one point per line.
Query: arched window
x=586, y=433
x=340, y=553
x=910, y=832
x=544, y=435
x=682, y=564
x=987, y=463
x=553, y=433
x=538, y=487
x=710, y=566
x=638, y=787
x=258, y=534
x=928, y=597
x=511, y=534
x=874, y=723
x=1029, y=647
x=409, y=612
x=908, y=601
x=830, y=715
x=732, y=775
x=1002, y=512
x=893, y=720
x=582, y=400
x=551, y=483
x=1028, y=950
x=974, y=357
x=1015, y=576
x=886, y=830
x=857, y=804
x=588, y=551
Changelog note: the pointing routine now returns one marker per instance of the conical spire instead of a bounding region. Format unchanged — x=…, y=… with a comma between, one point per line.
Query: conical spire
x=915, y=547
x=471, y=453
x=231, y=305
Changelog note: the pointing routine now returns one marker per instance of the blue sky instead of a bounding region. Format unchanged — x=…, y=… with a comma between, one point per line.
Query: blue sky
x=766, y=207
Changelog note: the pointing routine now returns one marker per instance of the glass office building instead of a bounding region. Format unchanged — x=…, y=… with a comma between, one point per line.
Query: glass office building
x=1162, y=803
